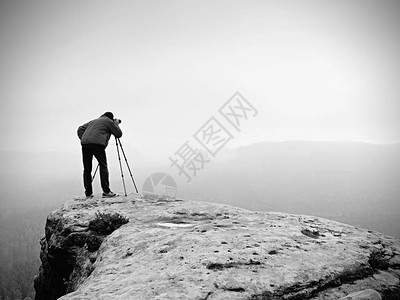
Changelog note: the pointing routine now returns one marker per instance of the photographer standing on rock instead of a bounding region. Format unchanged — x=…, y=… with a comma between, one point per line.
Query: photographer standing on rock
x=94, y=137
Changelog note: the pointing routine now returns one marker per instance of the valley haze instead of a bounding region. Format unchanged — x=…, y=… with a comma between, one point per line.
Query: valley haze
x=351, y=182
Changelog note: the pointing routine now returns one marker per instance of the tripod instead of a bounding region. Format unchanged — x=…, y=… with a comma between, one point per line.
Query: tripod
x=118, y=141
x=119, y=144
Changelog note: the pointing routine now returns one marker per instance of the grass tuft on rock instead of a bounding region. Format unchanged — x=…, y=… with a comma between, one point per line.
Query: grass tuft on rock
x=106, y=223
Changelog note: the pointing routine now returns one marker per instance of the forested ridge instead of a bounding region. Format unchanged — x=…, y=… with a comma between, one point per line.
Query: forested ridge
x=20, y=232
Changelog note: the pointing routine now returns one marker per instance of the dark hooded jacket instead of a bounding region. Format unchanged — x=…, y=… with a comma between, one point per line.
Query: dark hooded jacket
x=98, y=131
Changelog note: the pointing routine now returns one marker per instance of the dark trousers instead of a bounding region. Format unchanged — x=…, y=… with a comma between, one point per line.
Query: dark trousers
x=98, y=151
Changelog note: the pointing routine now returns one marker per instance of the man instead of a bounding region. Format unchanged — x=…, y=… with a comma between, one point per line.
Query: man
x=94, y=137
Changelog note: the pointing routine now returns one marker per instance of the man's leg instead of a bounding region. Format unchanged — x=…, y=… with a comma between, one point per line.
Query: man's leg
x=87, y=156
x=100, y=155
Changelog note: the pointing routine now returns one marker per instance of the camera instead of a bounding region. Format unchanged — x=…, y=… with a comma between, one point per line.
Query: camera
x=119, y=121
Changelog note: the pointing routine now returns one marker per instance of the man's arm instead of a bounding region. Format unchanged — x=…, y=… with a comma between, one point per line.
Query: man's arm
x=115, y=130
x=81, y=130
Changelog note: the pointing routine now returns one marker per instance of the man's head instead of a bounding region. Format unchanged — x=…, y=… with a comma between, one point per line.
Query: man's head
x=109, y=115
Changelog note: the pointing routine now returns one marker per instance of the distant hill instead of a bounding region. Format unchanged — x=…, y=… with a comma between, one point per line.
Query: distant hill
x=351, y=182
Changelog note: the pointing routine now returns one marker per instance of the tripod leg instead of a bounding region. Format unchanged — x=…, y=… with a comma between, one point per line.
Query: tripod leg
x=95, y=171
x=129, y=169
x=120, y=165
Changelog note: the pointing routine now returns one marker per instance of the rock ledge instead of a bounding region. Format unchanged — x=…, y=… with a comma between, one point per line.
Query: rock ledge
x=198, y=250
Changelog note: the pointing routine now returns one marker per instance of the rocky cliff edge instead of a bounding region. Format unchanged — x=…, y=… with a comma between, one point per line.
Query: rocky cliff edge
x=197, y=250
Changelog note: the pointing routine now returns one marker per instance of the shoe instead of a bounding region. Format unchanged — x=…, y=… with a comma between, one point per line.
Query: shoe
x=109, y=195
x=89, y=197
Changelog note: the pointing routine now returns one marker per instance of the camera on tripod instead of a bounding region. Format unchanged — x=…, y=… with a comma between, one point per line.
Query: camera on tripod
x=119, y=121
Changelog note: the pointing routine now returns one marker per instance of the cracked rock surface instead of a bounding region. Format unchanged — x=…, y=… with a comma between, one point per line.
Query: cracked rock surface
x=198, y=250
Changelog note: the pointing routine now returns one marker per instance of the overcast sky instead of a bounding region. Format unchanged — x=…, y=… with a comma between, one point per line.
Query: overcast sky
x=314, y=70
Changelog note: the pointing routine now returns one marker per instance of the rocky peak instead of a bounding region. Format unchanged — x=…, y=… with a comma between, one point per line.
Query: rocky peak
x=197, y=250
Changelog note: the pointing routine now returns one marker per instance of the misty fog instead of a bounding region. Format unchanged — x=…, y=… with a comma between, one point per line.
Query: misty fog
x=320, y=75
x=356, y=183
